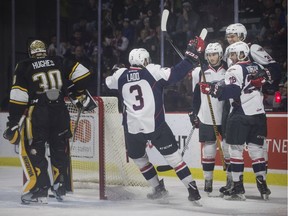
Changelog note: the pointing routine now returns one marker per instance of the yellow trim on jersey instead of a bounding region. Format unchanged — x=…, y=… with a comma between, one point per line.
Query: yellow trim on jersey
x=19, y=87
x=81, y=77
x=18, y=102
x=73, y=69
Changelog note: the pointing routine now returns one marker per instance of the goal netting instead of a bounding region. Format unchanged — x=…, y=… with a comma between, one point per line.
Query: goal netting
x=98, y=151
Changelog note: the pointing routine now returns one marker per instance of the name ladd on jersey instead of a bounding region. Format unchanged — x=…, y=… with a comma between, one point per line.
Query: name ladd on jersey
x=42, y=63
x=133, y=76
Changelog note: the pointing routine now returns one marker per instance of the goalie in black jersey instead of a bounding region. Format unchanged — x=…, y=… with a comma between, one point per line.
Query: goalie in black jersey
x=38, y=90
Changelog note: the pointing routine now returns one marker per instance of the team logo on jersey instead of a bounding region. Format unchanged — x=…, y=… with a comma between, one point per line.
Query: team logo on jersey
x=252, y=69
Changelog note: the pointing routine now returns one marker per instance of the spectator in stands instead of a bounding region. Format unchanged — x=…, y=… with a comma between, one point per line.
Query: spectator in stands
x=187, y=23
x=90, y=12
x=77, y=39
x=142, y=39
x=52, y=48
x=128, y=30
x=119, y=47
x=153, y=44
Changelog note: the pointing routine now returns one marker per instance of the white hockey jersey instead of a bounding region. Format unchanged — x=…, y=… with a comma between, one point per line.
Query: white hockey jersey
x=141, y=90
x=247, y=99
x=211, y=75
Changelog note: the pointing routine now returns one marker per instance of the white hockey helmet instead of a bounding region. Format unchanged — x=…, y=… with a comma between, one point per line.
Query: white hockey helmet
x=238, y=48
x=37, y=49
x=139, y=57
x=238, y=29
x=214, y=48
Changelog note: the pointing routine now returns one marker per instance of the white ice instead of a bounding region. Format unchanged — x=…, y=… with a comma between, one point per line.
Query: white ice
x=86, y=202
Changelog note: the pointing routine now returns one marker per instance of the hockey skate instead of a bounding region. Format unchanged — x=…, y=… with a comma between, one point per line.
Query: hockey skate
x=262, y=187
x=236, y=192
x=38, y=195
x=159, y=192
x=194, y=195
x=208, y=187
x=58, y=191
x=229, y=185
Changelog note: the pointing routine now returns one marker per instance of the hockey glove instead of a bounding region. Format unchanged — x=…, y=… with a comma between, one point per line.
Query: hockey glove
x=260, y=78
x=194, y=50
x=194, y=119
x=12, y=133
x=82, y=100
x=213, y=89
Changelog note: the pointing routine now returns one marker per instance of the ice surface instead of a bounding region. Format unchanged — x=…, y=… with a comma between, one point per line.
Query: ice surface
x=86, y=202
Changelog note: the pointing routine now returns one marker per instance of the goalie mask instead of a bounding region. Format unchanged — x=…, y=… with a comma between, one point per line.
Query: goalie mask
x=214, y=48
x=239, y=48
x=37, y=49
x=238, y=29
x=139, y=57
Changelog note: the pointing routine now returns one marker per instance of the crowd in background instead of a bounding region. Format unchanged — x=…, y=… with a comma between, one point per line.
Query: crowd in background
x=133, y=23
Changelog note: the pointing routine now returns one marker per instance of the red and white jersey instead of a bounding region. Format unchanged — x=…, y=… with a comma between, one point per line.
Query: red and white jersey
x=251, y=99
x=211, y=75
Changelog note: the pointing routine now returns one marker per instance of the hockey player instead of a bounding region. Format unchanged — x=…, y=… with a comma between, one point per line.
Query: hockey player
x=247, y=121
x=39, y=86
x=200, y=116
x=234, y=33
x=141, y=89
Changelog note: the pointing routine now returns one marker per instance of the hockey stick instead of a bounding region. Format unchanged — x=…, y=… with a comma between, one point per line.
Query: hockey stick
x=79, y=111
x=216, y=132
x=164, y=19
x=163, y=168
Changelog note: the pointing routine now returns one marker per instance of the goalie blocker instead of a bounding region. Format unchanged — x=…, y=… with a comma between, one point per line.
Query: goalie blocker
x=82, y=100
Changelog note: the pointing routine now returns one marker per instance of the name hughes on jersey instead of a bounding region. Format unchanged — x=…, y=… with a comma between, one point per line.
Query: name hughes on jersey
x=43, y=63
x=133, y=77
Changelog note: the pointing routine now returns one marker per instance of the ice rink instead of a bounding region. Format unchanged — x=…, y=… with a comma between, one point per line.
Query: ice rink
x=86, y=202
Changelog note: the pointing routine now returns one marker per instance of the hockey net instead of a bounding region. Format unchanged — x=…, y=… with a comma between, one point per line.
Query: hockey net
x=98, y=152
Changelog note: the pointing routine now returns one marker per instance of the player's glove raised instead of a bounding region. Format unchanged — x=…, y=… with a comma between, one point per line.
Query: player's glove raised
x=12, y=133
x=194, y=50
x=213, y=89
x=194, y=119
x=260, y=78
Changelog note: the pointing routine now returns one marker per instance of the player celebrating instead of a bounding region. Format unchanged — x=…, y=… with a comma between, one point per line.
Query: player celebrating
x=39, y=87
x=247, y=121
x=234, y=33
x=214, y=72
x=141, y=89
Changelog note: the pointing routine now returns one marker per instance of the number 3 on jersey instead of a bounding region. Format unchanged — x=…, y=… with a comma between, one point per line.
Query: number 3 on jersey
x=138, y=97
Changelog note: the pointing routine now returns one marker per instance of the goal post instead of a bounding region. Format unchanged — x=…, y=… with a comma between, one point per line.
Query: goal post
x=98, y=153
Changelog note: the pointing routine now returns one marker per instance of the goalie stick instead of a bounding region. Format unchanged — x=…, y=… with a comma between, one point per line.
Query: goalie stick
x=163, y=168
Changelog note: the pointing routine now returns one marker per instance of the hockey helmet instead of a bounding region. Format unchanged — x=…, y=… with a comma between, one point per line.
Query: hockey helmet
x=37, y=49
x=239, y=48
x=139, y=57
x=214, y=48
x=238, y=29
